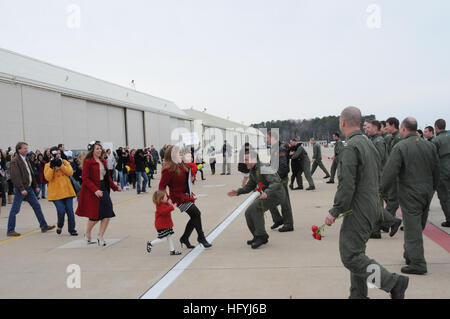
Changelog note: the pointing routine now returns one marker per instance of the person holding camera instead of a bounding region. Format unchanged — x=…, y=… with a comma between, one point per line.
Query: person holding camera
x=60, y=190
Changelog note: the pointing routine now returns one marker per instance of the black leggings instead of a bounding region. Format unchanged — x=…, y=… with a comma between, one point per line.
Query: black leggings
x=195, y=221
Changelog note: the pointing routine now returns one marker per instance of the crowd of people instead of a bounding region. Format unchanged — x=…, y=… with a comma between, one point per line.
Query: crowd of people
x=380, y=168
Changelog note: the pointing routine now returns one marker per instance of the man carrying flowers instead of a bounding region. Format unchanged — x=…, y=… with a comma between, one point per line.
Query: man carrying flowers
x=271, y=195
x=358, y=191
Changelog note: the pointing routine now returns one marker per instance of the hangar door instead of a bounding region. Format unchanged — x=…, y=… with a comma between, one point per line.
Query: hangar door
x=75, y=129
x=42, y=117
x=135, y=128
x=11, y=126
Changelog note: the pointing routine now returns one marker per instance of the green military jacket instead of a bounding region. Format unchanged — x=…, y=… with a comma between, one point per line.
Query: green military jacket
x=272, y=182
x=415, y=163
x=442, y=142
x=358, y=181
x=396, y=137
x=338, y=148
x=317, y=152
x=300, y=154
x=381, y=147
x=387, y=139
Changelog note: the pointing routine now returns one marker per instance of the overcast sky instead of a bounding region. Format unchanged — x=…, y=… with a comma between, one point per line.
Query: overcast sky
x=251, y=60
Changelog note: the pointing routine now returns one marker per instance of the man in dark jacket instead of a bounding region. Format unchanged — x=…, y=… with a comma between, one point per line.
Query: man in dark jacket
x=140, y=162
x=279, y=161
x=25, y=185
x=162, y=152
x=295, y=165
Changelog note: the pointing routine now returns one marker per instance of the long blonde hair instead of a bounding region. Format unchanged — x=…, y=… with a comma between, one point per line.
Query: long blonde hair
x=170, y=164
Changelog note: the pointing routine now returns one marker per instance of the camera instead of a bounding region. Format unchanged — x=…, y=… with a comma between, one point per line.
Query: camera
x=56, y=162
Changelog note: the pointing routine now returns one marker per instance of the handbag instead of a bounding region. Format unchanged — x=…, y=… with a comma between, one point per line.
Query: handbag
x=76, y=186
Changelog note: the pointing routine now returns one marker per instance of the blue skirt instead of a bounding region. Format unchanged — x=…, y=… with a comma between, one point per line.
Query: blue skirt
x=105, y=209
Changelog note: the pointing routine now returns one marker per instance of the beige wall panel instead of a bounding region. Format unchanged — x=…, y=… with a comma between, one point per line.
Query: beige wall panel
x=11, y=125
x=42, y=117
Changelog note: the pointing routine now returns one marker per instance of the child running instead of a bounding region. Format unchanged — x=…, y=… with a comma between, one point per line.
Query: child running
x=163, y=222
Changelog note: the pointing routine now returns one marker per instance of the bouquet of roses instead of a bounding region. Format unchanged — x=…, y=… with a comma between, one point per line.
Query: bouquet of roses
x=317, y=231
x=260, y=187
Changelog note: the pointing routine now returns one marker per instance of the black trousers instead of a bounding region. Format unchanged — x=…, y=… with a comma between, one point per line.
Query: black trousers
x=201, y=172
x=297, y=175
x=132, y=178
x=195, y=222
x=213, y=168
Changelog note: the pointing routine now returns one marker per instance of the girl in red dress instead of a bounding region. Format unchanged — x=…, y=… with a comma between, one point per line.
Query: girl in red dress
x=163, y=222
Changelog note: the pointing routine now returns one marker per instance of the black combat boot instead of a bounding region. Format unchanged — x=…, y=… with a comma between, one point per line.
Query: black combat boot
x=398, y=292
x=259, y=240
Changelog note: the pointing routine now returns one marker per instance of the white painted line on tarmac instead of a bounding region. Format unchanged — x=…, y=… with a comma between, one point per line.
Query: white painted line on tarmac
x=157, y=289
x=214, y=185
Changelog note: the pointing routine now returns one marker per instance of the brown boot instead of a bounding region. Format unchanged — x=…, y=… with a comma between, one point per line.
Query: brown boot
x=10, y=199
x=13, y=234
x=43, y=230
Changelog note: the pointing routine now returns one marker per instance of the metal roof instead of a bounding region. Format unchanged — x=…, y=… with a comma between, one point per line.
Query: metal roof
x=17, y=68
x=215, y=121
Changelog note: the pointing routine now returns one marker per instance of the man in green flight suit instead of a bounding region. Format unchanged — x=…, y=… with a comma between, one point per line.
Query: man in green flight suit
x=279, y=163
x=414, y=163
x=317, y=158
x=271, y=196
x=337, y=149
x=386, y=220
x=442, y=142
x=428, y=133
x=384, y=133
x=305, y=165
x=358, y=191
x=392, y=127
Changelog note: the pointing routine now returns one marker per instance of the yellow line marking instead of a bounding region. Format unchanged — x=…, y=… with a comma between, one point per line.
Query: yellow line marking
x=127, y=201
x=21, y=236
x=38, y=230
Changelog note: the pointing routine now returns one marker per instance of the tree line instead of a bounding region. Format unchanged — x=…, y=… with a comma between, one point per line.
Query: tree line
x=320, y=128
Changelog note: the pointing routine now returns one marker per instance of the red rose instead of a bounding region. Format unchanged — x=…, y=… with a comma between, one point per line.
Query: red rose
x=315, y=228
x=318, y=237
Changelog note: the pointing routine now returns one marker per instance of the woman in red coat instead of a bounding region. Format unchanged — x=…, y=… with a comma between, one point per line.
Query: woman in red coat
x=176, y=175
x=94, y=201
